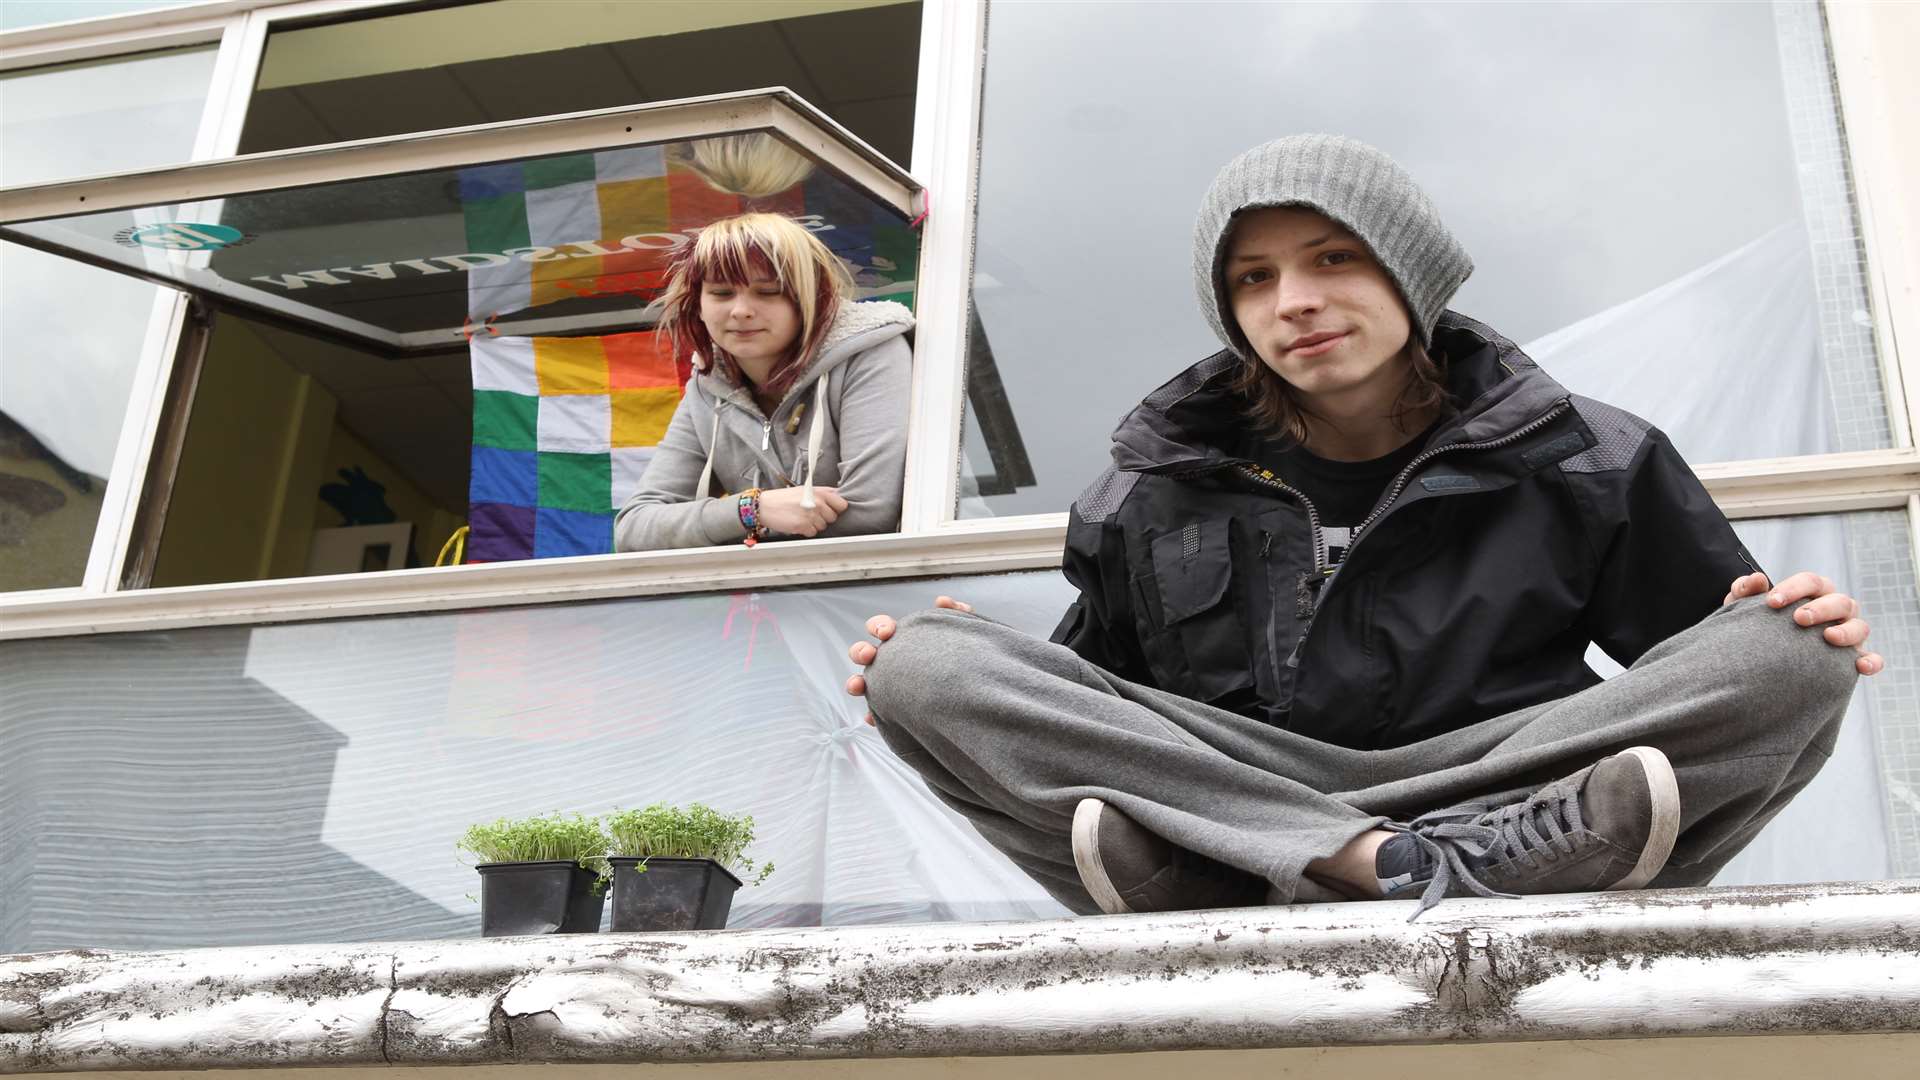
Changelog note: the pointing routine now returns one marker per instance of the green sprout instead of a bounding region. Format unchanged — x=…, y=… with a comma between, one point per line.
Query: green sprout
x=576, y=838
x=697, y=832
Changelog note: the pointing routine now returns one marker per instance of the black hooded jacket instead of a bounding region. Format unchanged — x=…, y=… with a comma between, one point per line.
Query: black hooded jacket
x=1532, y=523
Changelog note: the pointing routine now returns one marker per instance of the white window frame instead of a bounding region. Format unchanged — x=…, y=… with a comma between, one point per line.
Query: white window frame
x=932, y=541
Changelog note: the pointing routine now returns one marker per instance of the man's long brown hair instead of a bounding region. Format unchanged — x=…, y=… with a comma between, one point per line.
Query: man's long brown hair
x=1276, y=404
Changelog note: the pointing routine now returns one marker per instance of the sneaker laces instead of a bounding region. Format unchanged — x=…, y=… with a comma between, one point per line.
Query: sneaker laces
x=1464, y=840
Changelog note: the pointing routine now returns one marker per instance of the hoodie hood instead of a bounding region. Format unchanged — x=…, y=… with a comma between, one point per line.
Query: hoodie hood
x=1196, y=422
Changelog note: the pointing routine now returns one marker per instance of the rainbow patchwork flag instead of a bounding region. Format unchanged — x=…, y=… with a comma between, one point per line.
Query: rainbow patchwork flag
x=603, y=224
x=562, y=430
x=564, y=427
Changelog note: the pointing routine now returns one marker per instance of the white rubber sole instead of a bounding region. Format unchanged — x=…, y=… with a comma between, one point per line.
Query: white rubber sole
x=1665, y=791
x=1086, y=857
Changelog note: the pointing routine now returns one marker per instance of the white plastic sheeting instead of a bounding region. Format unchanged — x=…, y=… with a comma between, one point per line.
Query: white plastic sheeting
x=1726, y=360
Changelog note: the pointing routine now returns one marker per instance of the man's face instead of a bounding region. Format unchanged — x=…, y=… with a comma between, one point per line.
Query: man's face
x=1318, y=309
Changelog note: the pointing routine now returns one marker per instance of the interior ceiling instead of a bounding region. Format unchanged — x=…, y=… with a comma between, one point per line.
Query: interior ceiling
x=858, y=66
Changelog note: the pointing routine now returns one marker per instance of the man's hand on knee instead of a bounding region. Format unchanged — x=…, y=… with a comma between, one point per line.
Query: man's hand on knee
x=882, y=628
x=1826, y=607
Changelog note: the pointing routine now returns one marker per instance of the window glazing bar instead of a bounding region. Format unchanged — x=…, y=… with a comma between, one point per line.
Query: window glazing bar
x=945, y=154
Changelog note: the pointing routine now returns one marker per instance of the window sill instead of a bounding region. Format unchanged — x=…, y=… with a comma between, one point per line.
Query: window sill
x=1830, y=483
x=1032, y=543
x=1767, y=960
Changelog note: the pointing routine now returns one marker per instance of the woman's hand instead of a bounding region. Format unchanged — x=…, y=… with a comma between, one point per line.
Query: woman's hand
x=881, y=627
x=1845, y=629
x=781, y=512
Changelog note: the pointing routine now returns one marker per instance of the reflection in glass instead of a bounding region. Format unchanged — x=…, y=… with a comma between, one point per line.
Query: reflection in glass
x=415, y=261
x=71, y=335
x=1646, y=214
x=307, y=782
x=1868, y=554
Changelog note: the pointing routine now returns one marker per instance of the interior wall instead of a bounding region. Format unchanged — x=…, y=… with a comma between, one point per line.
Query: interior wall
x=262, y=439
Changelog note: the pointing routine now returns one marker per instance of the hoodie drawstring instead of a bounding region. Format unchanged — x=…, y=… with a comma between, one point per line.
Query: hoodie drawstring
x=813, y=436
x=713, y=447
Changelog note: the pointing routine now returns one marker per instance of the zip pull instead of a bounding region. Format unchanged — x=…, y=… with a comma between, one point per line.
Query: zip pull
x=1266, y=543
x=1303, y=596
x=1293, y=658
x=766, y=434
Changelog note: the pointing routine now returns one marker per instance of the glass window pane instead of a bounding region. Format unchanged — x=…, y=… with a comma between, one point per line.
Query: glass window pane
x=20, y=14
x=491, y=357
x=307, y=782
x=1654, y=195
x=1877, y=759
x=563, y=242
x=509, y=59
x=71, y=335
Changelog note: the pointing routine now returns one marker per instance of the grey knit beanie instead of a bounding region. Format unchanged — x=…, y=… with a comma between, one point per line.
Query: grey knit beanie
x=1355, y=185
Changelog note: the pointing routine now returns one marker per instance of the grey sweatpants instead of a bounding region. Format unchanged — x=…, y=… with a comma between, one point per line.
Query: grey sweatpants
x=1013, y=732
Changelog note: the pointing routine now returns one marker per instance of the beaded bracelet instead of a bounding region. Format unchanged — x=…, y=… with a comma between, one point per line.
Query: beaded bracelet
x=750, y=515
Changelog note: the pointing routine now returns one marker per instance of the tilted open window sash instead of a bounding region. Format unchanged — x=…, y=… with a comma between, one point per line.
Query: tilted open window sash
x=403, y=245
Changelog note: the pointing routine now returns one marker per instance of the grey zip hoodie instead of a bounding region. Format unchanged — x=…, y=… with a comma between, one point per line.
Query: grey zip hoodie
x=850, y=433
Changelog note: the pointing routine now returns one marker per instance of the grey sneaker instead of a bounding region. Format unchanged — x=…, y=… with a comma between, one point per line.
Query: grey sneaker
x=1609, y=826
x=1126, y=869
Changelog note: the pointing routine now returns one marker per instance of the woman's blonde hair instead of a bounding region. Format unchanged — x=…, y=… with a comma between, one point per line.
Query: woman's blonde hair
x=734, y=250
x=755, y=165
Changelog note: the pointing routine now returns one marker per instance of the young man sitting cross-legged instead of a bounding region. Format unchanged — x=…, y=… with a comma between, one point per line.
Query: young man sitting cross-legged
x=1335, y=595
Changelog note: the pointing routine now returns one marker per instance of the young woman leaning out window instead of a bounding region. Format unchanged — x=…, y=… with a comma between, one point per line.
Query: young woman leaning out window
x=795, y=422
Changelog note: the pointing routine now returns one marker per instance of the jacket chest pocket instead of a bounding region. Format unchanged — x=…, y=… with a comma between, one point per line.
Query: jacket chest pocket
x=1196, y=640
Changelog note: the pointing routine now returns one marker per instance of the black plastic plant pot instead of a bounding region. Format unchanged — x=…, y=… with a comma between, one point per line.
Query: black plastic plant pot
x=549, y=897
x=673, y=894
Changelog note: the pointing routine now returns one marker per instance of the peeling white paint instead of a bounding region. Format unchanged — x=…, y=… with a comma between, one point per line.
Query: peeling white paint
x=1780, y=960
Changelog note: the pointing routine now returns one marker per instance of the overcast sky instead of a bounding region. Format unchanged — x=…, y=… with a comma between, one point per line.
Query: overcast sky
x=1584, y=154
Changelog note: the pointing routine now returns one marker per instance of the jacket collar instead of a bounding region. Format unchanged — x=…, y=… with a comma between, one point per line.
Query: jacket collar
x=1195, y=422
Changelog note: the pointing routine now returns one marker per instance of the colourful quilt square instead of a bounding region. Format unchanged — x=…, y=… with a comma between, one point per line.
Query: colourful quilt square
x=567, y=532
x=504, y=363
x=570, y=365
x=628, y=207
x=693, y=203
x=491, y=181
x=640, y=417
x=499, y=533
x=629, y=467
x=565, y=279
x=511, y=477
x=498, y=223
x=555, y=171
x=575, y=423
x=504, y=420
x=630, y=163
x=568, y=214
x=642, y=359
x=576, y=482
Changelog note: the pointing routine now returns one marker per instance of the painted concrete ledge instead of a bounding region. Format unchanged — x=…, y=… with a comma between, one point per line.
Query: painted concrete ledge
x=1816, y=959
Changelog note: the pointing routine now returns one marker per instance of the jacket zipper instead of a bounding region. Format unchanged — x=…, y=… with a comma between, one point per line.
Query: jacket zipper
x=1265, y=476
x=1400, y=482
x=1394, y=491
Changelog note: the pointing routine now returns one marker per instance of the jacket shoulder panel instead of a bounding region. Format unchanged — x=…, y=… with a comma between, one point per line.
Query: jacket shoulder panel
x=1103, y=497
x=1191, y=380
x=1618, y=436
